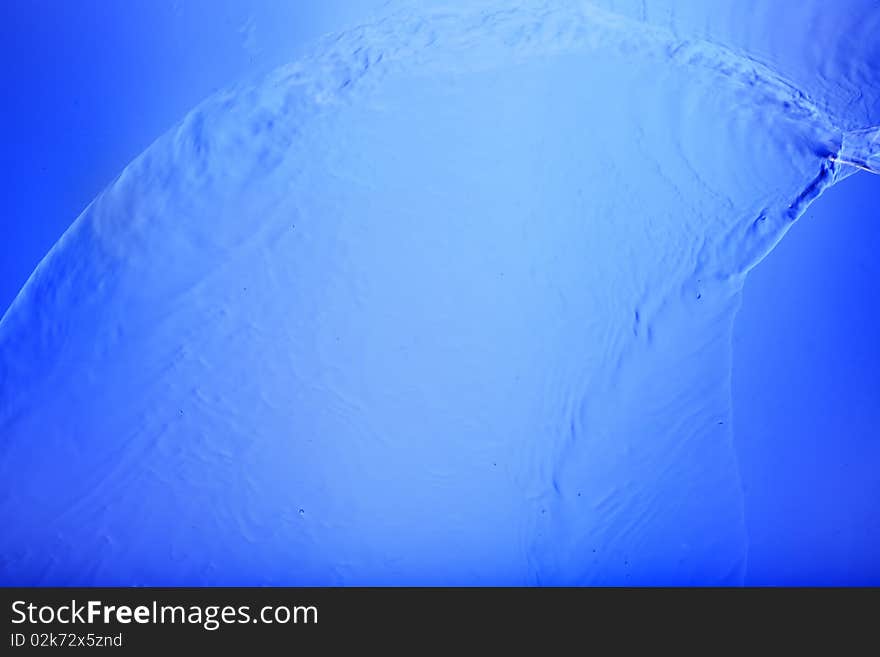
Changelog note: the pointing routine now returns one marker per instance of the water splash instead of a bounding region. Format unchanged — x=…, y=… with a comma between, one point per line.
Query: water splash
x=460, y=284
x=861, y=149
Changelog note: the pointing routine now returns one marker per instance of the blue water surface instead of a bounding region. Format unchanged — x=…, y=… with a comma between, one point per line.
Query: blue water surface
x=459, y=293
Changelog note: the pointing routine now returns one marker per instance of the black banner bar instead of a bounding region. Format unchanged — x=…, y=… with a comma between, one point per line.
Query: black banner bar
x=154, y=619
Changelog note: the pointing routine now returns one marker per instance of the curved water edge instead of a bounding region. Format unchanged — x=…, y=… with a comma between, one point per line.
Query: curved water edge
x=542, y=357
x=342, y=60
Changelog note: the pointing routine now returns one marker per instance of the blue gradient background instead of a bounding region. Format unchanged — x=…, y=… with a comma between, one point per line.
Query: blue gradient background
x=89, y=84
